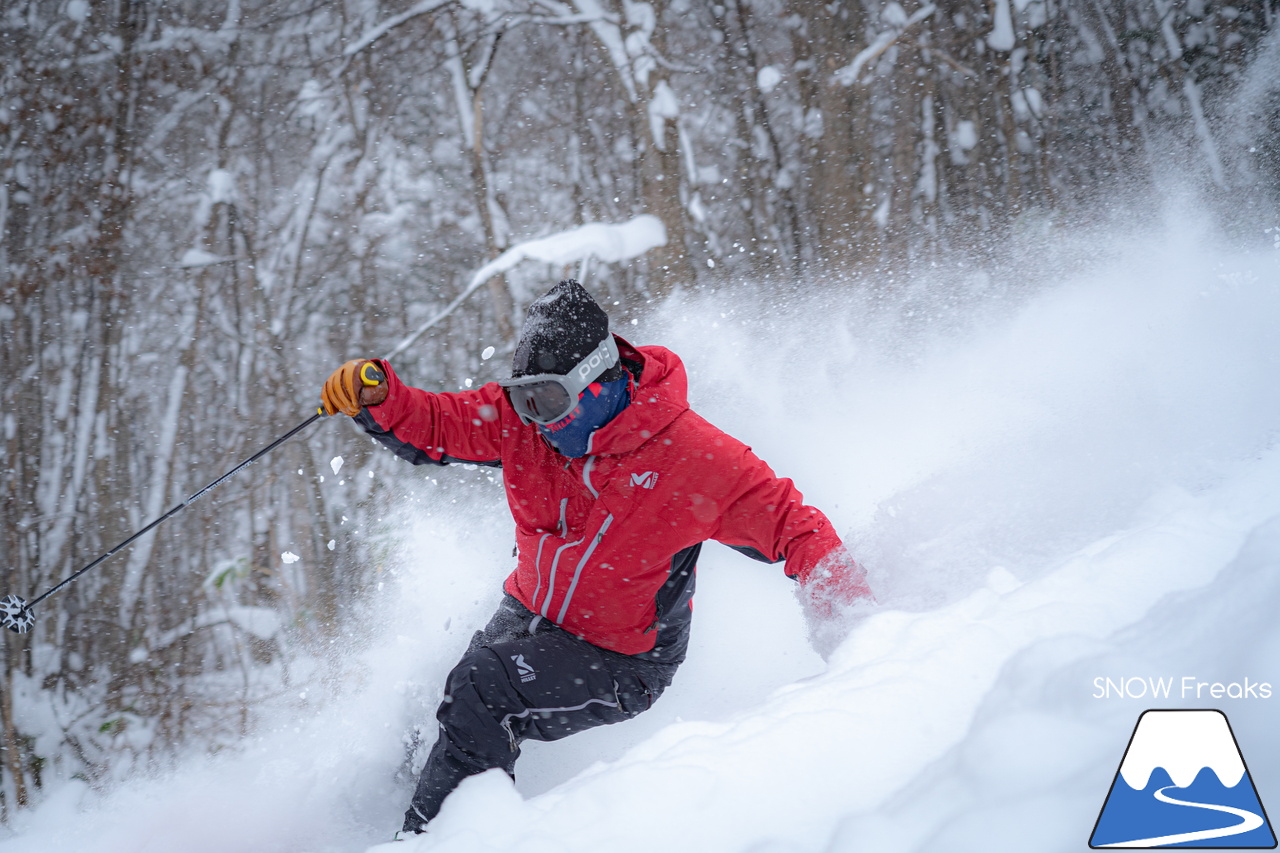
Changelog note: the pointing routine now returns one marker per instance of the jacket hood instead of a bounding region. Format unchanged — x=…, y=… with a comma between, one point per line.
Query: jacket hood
x=660, y=396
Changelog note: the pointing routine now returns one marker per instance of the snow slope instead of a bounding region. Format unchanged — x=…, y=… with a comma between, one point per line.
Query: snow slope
x=1047, y=490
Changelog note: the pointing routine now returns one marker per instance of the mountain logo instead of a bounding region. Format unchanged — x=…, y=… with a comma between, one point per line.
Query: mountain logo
x=1183, y=783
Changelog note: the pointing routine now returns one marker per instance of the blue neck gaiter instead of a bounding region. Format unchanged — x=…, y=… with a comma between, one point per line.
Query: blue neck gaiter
x=599, y=404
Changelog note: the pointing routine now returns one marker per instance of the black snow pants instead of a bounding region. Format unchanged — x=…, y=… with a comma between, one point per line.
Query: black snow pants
x=524, y=677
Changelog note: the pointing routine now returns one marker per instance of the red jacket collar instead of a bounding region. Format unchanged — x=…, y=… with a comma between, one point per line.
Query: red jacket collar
x=661, y=395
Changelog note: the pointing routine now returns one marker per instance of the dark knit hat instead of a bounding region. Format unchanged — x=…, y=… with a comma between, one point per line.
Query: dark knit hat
x=561, y=328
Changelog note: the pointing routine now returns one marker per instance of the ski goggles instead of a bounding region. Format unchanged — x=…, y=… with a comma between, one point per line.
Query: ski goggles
x=545, y=398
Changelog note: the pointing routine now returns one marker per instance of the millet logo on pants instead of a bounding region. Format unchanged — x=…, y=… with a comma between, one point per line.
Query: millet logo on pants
x=527, y=672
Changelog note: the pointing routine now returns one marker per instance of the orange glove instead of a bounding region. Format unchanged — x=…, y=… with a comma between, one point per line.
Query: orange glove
x=356, y=384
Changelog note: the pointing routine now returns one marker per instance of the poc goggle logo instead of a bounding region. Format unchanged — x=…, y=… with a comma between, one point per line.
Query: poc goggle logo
x=589, y=365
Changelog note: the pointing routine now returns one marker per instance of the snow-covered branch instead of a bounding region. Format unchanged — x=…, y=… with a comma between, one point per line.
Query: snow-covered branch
x=378, y=31
x=609, y=242
x=899, y=24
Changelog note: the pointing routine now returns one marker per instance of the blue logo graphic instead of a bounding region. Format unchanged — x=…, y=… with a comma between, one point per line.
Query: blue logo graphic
x=1183, y=783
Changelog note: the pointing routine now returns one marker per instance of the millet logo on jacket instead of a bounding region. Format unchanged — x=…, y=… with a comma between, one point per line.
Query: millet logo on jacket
x=647, y=480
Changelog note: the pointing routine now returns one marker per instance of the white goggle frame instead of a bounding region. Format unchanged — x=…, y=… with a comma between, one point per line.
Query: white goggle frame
x=546, y=398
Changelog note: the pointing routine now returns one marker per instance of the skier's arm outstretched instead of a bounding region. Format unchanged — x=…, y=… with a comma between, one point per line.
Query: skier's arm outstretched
x=423, y=427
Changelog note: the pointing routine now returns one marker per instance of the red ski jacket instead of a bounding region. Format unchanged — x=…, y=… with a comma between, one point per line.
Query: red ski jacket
x=601, y=538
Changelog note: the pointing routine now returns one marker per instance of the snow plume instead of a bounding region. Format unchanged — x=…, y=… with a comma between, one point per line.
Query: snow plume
x=1047, y=486
x=951, y=440
x=323, y=775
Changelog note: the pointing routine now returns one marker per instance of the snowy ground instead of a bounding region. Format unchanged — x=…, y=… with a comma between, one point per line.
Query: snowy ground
x=1084, y=484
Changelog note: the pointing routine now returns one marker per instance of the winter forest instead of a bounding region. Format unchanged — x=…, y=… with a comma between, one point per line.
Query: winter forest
x=206, y=207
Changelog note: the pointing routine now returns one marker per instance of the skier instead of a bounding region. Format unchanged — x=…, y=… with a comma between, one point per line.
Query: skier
x=614, y=483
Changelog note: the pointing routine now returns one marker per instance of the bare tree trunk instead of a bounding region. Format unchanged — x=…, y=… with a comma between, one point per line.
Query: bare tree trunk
x=655, y=117
x=774, y=216
x=14, y=648
x=468, y=83
x=837, y=150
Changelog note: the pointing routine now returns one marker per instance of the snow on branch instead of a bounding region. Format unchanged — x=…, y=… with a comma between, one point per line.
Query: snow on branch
x=606, y=241
x=261, y=622
x=589, y=12
x=391, y=23
x=1002, y=35
x=899, y=24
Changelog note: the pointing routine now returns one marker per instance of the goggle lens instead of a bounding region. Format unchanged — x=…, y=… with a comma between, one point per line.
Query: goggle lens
x=544, y=402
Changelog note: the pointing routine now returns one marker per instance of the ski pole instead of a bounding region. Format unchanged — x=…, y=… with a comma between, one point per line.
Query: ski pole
x=16, y=614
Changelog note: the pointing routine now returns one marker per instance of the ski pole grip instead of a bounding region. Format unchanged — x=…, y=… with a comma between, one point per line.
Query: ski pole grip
x=370, y=374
